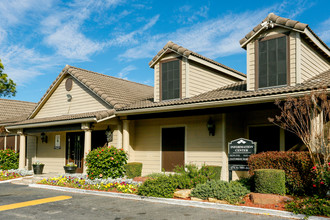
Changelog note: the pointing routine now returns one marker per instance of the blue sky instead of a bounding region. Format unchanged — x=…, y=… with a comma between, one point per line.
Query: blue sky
x=117, y=37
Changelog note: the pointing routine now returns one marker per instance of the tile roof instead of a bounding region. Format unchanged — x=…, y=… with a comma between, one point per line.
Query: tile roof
x=236, y=91
x=185, y=52
x=97, y=114
x=14, y=110
x=277, y=20
x=116, y=92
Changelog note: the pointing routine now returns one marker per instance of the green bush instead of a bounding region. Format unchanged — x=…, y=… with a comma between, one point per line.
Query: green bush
x=248, y=182
x=105, y=162
x=231, y=192
x=133, y=169
x=8, y=159
x=163, y=186
x=310, y=206
x=269, y=181
x=296, y=165
x=189, y=176
x=156, y=175
x=211, y=172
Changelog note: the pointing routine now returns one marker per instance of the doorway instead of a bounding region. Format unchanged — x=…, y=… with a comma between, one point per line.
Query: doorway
x=173, y=143
x=75, y=149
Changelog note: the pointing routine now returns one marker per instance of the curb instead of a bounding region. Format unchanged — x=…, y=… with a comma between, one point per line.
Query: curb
x=225, y=207
x=11, y=180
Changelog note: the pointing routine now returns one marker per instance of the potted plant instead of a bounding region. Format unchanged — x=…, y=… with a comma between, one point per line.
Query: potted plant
x=70, y=168
x=38, y=167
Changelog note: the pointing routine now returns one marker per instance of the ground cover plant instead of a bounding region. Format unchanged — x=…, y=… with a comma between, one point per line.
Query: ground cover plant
x=232, y=192
x=106, y=162
x=7, y=175
x=310, y=206
x=117, y=185
x=8, y=159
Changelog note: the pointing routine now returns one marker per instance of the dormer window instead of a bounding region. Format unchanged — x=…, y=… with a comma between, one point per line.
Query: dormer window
x=273, y=61
x=170, y=79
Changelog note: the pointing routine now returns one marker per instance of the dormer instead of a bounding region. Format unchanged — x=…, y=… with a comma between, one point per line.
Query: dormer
x=180, y=73
x=283, y=52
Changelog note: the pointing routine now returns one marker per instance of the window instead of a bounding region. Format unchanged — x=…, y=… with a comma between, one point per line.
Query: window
x=267, y=138
x=170, y=80
x=272, y=62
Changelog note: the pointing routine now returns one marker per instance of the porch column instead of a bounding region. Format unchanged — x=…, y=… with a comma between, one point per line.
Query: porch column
x=126, y=136
x=21, y=150
x=87, y=143
x=119, y=136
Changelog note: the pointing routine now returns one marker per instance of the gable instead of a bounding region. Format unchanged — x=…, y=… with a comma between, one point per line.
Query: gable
x=83, y=100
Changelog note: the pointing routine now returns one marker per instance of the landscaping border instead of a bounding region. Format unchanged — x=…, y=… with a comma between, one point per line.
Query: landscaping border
x=9, y=181
x=225, y=207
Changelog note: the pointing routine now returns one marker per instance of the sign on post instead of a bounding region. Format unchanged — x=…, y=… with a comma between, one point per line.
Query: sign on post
x=239, y=151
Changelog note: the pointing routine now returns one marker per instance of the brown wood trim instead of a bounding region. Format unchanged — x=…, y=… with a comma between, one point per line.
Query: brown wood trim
x=256, y=65
x=288, y=60
x=274, y=36
x=160, y=75
x=256, y=56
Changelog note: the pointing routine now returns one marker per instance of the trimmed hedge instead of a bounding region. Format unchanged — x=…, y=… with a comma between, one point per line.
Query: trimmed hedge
x=8, y=159
x=296, y=165
x=163, y=186
x=269, y=181
x=133, y=169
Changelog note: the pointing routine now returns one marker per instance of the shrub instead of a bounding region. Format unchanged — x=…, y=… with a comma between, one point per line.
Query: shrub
x=133, y=169
x=296, y=165
x=248, y=182
x=211, y=172
x=310, y=206
x=231, y=192
x=163, y=186
x=156, y=175
x=321, y=180
x=269, y=181
x=8, y=159
x=105, y=162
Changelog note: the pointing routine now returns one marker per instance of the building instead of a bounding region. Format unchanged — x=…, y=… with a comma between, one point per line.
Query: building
x=195, y=108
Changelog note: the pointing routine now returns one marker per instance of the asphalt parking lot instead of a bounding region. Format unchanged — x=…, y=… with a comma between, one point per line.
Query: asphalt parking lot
x=82, y=206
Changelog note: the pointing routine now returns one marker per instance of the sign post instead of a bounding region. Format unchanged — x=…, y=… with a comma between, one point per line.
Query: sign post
x=239, y=151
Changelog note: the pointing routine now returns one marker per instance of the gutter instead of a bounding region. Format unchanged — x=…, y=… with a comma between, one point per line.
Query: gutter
x=107, y=118
x=46, y=124
x=210, y=104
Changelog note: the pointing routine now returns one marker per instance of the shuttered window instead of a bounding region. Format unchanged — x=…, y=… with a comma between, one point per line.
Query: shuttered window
x=170, y=80
x=273, y=62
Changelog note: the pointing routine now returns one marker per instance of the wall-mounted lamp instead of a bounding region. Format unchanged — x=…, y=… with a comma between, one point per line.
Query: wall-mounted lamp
x=211, y=127
x=69, y=97
x=43, y=137
x=109, y=134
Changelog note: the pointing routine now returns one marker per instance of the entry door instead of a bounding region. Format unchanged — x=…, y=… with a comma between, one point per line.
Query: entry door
x=75, y=149
x=173, y=141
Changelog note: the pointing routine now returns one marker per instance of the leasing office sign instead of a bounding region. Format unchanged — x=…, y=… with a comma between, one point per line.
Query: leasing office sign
x=239, y=151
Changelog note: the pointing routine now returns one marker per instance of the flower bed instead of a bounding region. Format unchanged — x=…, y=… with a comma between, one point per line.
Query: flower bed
x=81, y=182
x=6, y=175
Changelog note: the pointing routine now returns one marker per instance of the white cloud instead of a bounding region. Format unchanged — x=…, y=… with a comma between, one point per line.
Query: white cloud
x=125, y=71
x=187, y=15
x=324, y=30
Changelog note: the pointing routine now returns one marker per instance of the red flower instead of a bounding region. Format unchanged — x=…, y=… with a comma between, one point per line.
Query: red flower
x=314, y=185
x=329, y=163
x=121, y=149
x=314, y=167
x=111, y=158
x=102, y=149
x=322, y=182
x=98, y=155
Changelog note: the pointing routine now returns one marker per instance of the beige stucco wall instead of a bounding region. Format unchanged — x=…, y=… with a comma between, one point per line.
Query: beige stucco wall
x=54, y=160
x=200, y=147
x=82, y=101
x=312, y=63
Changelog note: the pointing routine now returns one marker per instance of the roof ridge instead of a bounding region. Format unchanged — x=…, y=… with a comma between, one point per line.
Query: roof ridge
x=125, y=80
x=186, y=52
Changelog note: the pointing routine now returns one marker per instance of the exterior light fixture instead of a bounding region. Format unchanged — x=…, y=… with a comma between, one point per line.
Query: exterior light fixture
x=43, y=137
x=109, y=134
x=69, y=97
x=211, y=127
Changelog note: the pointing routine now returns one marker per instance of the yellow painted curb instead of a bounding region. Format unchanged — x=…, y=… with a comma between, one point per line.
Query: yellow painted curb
x=33, y=202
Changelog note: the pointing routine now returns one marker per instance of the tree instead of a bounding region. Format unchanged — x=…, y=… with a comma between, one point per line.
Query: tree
x=309, y=118
x=7, y=85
